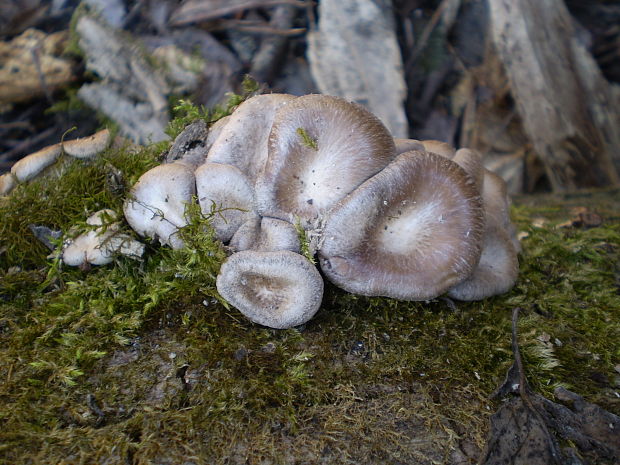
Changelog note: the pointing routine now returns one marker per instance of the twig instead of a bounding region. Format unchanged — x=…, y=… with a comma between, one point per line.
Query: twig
x=524, y=390
x=199, y=13
x=25, y=145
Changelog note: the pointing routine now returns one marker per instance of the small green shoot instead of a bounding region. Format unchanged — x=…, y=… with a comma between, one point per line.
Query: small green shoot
x=307, y=140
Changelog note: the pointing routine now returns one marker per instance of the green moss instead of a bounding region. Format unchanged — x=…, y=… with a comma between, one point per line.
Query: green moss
x=306, y=139
x=84, y=187
x=142, y=362
x=185, y=112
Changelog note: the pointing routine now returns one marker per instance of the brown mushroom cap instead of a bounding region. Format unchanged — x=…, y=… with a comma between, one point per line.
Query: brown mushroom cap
x=242, y=142
x=471, y=161
x=407, y=145
x=410, y=232
x=225, y=188
x=87, y=147
x=156, y=205
x=440, y=148
x=276, y=289
x=320, y=149
x=31, y=165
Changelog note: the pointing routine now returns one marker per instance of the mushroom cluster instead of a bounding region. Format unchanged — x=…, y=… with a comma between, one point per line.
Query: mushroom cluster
x=386, y=217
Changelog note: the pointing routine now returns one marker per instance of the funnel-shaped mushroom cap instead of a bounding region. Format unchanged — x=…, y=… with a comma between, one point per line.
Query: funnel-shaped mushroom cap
x=242, y=142
x=31, y=165
x=156, y=205
x=411, y=232
x=440, y=148
x=87, y=147
x=407, y=145
x=226, y=191
x=267, y=234
x=320, y=149
x=277, y=289
x=496, y=272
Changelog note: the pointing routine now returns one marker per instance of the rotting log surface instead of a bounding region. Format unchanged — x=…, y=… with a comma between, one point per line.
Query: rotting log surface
x=570, y=111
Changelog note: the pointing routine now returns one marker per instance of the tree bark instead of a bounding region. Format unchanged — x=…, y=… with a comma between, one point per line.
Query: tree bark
x=570, y=112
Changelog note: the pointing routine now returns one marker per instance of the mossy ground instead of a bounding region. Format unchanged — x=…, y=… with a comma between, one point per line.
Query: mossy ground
x=140, y=362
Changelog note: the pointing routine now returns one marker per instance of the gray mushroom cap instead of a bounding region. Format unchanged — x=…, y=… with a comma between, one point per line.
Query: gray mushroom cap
x=156, y=205
x=498, y=268
x=278, y=289
x=242, y=142
x=440, y=148
x=320, y=149
x=227, y=190
x=496, y=271
x=267, y=234
x=410, y=232
x=407, y=145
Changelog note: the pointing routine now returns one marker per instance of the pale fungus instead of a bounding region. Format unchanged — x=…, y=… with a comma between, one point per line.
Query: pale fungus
x=279, y=289
x=156, y=204
x=411, y=232
x=99, y=245
x=320, y=149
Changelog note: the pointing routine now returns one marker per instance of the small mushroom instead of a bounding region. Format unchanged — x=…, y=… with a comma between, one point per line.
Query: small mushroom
x=440, y=148
x=410, y=232
x=498, y=268
x=320, y=149
x=156, y=205
x=407, y=145
x=8, y=181
x=471, y=162
x=226, y=189
x=98, y=247
x=243, y=140
x=496, y=271
x=87, y=147
x=267, y=234
x=31, y=165
x=278, y=289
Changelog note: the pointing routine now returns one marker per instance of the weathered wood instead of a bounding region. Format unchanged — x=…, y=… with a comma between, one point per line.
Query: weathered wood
x=569, y=111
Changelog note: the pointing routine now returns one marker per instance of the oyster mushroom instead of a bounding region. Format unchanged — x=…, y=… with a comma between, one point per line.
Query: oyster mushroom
x=278, y=289
x=156, y=204
x=440, y=148
x=8, y=181
x=86, y=147
x=410, y=232
x=320, y=149
x=98, y=247
x=226, y=188
x=267, y=234
x=31, y=165
x=498, y=267
x=242, y=142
